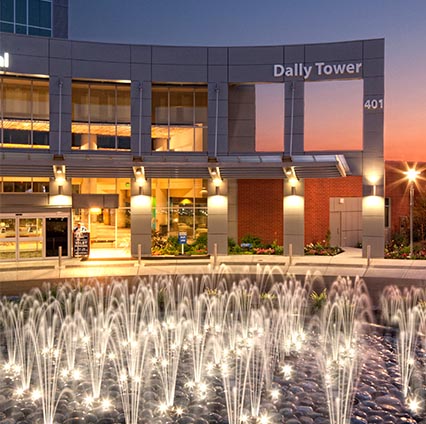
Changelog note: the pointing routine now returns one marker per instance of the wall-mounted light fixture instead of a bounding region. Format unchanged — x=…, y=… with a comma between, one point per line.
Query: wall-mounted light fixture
x=60, y=178
x=216, y=177
x=139, y=172
x=292, y=178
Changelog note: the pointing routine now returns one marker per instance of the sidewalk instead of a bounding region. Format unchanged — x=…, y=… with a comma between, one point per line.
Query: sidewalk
x=16, y=277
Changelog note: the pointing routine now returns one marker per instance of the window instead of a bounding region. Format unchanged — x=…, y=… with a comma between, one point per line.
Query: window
x=101, y=116
x=40, y=13
x=6, y=10
x=24, y=185
x=179, y=118
x=21, y=11
x=24, y=112
x=179, y=205
x=32, y=17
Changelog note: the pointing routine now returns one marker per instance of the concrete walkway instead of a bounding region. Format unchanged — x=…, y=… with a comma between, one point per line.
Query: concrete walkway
x=17, y=277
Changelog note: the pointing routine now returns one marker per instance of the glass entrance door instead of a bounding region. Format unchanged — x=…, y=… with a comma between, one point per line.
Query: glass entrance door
x=7, y=238
x=56, y=236
x=30, y=238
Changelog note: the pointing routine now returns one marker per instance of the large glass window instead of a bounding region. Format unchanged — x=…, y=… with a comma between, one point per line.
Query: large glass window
x=179, y=205
x=24, y=112
x=24, y=185
x=101, y=116
x=179, y=118
x=32, y=17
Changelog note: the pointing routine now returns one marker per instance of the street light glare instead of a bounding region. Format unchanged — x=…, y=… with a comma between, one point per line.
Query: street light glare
x=412, y=174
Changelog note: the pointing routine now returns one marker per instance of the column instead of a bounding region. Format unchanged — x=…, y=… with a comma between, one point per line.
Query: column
x=294, y=117
x=140, y=215
x=141, y=92
x=294, y=217
x=217, y=204
x=60, y=89
x=373, y=208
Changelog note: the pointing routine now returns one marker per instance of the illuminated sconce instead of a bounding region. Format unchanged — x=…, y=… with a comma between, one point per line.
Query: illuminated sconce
x=292, y=178
x=216, y=178
x=139, y=172
x=373, y=179
x=59, y=173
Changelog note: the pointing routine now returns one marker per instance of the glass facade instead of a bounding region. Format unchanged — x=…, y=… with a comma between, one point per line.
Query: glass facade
x=24, y=114
x=31, y=17
x=108, y=227
x=179, y=118
x=100, y=116
x=32, y=236
x=179, y=205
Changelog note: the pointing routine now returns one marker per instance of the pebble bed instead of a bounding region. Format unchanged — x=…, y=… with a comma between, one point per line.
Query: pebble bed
x=378, y=397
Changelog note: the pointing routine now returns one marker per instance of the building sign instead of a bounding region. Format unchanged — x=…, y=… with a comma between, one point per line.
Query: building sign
x=182, y=237
x=4, y=60
x=318, y=69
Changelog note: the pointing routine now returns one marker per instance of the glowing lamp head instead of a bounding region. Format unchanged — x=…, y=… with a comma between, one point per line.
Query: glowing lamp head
x=293, y=181
x=412, y=174
x=217, y=182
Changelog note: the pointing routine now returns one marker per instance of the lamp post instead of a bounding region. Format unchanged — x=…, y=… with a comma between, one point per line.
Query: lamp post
x=411, y=175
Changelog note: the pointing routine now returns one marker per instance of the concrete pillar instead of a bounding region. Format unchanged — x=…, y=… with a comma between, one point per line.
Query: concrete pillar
x=217, y=203
x=141, y=92
x=233, y=209
x=141, y=215
x=294, y=117
x=373, y=209
x=217, y=126
x=294, y=218
x=60, y=106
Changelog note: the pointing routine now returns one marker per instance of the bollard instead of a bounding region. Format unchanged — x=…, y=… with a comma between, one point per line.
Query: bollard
x=290, y=254
x=368, y=256
x=215, y=255
x=60, y=257
x=139, y=254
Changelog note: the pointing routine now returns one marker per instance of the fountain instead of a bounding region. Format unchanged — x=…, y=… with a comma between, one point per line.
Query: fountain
x=210, y=349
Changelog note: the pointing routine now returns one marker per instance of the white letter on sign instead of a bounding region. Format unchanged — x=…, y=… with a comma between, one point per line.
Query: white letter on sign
x=278, y=70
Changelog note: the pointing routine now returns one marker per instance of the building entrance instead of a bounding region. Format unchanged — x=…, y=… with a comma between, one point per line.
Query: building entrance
x=109, y=230
x=33, y=236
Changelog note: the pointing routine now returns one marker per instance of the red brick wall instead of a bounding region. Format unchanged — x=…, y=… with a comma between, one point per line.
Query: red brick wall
x=260, y=202
x=260, y=209
x=317, y=202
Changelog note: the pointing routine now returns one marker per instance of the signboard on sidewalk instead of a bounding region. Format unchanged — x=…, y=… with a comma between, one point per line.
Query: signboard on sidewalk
x=81, y=244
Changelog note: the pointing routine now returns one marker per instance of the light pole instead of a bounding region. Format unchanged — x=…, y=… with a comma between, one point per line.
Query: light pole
x=411, y=175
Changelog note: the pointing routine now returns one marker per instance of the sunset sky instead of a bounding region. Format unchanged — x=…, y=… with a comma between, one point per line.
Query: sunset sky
x=333, y=111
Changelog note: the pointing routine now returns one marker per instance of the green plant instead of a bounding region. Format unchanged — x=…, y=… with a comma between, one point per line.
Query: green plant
x=328, y=238
x=199, y=246
x=279, y=250
x=253, y=240
x=157, y=241
x=318, y=300
x=321, y=248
